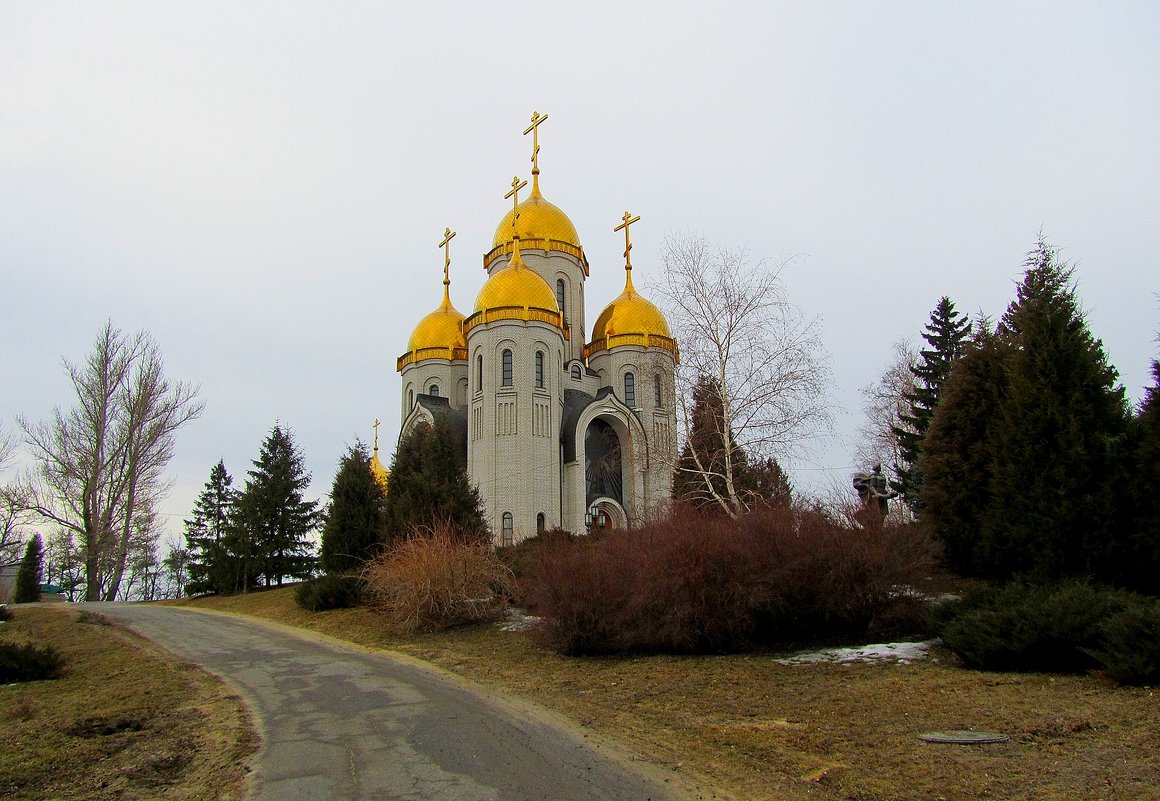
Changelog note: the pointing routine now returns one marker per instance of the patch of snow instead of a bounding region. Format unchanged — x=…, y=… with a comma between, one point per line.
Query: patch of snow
x=518, y=620
x=900, y=653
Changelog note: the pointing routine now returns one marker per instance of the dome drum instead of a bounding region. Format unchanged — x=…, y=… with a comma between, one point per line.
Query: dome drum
x=526, y=313
x=639, y=340
x=451, y=354
x=546, y=245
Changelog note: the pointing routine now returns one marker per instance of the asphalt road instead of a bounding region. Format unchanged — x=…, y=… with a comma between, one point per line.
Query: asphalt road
x=342, y=723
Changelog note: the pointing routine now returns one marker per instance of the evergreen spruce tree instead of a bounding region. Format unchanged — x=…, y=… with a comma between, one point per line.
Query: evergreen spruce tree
x=946, y=334
x=217, y=563
x=429, y=484
x=356, y=521
x=1061, y=423
x=27, y=589
x=274, y=515
x=1141, y=562
x=957, y=453
x=701, y=479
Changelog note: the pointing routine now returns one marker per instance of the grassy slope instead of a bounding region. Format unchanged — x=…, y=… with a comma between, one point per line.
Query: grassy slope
x=747, y=727
x=124, y=721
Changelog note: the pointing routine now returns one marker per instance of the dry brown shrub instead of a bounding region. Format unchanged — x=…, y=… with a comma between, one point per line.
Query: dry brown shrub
x=436, y=579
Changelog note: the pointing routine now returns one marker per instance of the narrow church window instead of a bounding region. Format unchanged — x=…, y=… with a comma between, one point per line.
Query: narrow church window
x=657, y=391
x=575, y=372
x=560, y=293
x=479, y=374
x=410, y=399
x=629, y=390
x=539, y=370
x=507, y=368
x=434, y=391
x=508, y=534
x=540, y=525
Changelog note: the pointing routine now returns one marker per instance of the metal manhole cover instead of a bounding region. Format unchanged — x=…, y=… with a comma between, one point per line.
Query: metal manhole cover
x=964, y=737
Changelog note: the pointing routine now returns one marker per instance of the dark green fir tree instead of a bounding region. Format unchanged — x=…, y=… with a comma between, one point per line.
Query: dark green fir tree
x=946, y=335
x=356, y=521
x=274, y=514
x=27, y=589
x=1141, y=563
x=429, y=484
x=1059, y=433
x=219, y=561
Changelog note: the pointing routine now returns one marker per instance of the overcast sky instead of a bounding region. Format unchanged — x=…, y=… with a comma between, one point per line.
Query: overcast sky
x=263, y=186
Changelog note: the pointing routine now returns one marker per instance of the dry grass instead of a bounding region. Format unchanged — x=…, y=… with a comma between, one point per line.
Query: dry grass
x=745, y=727
x=124, y=721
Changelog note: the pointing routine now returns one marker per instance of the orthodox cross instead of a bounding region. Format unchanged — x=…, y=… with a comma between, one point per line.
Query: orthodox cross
x=514, y=194
x=448, y=235
x=376, y=427
x=534, y=130
x=628, y=220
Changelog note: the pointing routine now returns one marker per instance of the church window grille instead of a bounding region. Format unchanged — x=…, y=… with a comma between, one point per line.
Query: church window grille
x=629, y=390
x=575, y=372
x=540, y=523
x=657, y=391
x=539, y=370
x=507, y=369
x=433, y=391
x=508, y=530
x=560, y=294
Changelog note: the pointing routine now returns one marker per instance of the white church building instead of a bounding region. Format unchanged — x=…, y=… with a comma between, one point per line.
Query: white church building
x=559, y=431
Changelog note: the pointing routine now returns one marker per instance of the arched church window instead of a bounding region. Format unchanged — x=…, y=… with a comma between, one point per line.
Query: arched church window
x=433, y=391
x=507, y=369
x=560, y=293
x=508, y=529
x=629, y=390
x=410, y=399
x=479, y=374
x=540, y=523
x=575, y=372
x=657, y=391
x=539, y=369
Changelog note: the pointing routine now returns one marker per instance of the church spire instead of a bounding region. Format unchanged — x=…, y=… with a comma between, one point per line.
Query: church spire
x=514, y=194
x=628, y=220
x=448, y=235
x=534, y=130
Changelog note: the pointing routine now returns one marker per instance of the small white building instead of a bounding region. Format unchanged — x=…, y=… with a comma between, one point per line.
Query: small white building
x=558, y=431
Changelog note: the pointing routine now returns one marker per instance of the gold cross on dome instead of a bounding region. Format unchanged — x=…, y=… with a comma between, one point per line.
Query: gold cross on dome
x=628, y=220
x=514, y=194
x=534, y=130
x=448, y=235
x=376, y=427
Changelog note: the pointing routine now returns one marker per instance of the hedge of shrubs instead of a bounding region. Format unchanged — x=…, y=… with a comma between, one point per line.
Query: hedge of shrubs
x=1070, y=627
x=700, y=584
x=28, y=662
x=330, y=591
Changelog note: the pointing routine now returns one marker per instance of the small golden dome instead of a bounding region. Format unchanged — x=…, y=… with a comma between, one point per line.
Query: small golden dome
x=516, y=285
x=439, y=329
x=539, y=220
x=630, y=314
x=380, y=473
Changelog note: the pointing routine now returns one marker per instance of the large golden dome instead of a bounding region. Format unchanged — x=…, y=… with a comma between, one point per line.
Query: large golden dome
x=631, y=320
x=439, y=335
x=539, y=223
x=516, y=285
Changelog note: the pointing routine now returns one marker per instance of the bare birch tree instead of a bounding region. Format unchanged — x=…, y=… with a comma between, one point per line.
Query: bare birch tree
x=884, y=403
x=741, y=336
x=13, y=515
x=99, y=467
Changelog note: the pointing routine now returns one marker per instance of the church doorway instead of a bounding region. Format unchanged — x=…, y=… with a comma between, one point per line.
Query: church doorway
x=605, y=514
x=603, y=463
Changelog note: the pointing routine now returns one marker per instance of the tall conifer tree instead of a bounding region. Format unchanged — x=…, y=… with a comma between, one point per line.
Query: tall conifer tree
x=27, y=589
x=946, y=334
x=356, y=521
x=218, y=560
x=274, y=513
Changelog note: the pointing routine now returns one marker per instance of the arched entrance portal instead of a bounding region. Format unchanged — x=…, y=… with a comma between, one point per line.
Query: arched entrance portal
x=603, y=463
x=605, y=513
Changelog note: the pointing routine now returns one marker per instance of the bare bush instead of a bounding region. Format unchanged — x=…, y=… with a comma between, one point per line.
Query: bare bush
x=435, y=580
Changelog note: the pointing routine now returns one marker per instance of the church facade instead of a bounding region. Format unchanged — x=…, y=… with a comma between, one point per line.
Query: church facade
x=558, y=431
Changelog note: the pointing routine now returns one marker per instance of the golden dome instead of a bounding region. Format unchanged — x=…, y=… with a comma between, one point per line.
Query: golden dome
x=539, y=223
x=380, y=472
x=439, y=329
x=516, y=285
x=630, y=314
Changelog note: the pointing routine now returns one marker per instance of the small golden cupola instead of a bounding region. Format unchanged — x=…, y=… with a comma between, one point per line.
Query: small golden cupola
x=515, y=291
x=540, y=225
x=381, y=474
x=630, y=319
x=439, y=335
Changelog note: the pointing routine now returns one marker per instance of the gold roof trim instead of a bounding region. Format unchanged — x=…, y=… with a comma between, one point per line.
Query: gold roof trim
x=423, y=354
x=640, y=340
x=537, y=243
x=525, y=313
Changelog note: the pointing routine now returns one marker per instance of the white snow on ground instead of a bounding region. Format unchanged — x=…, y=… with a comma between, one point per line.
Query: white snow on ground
x=900, y=653
x=518, y=620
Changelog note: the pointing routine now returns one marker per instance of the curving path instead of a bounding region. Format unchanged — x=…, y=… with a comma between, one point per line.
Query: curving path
x=342, y=723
